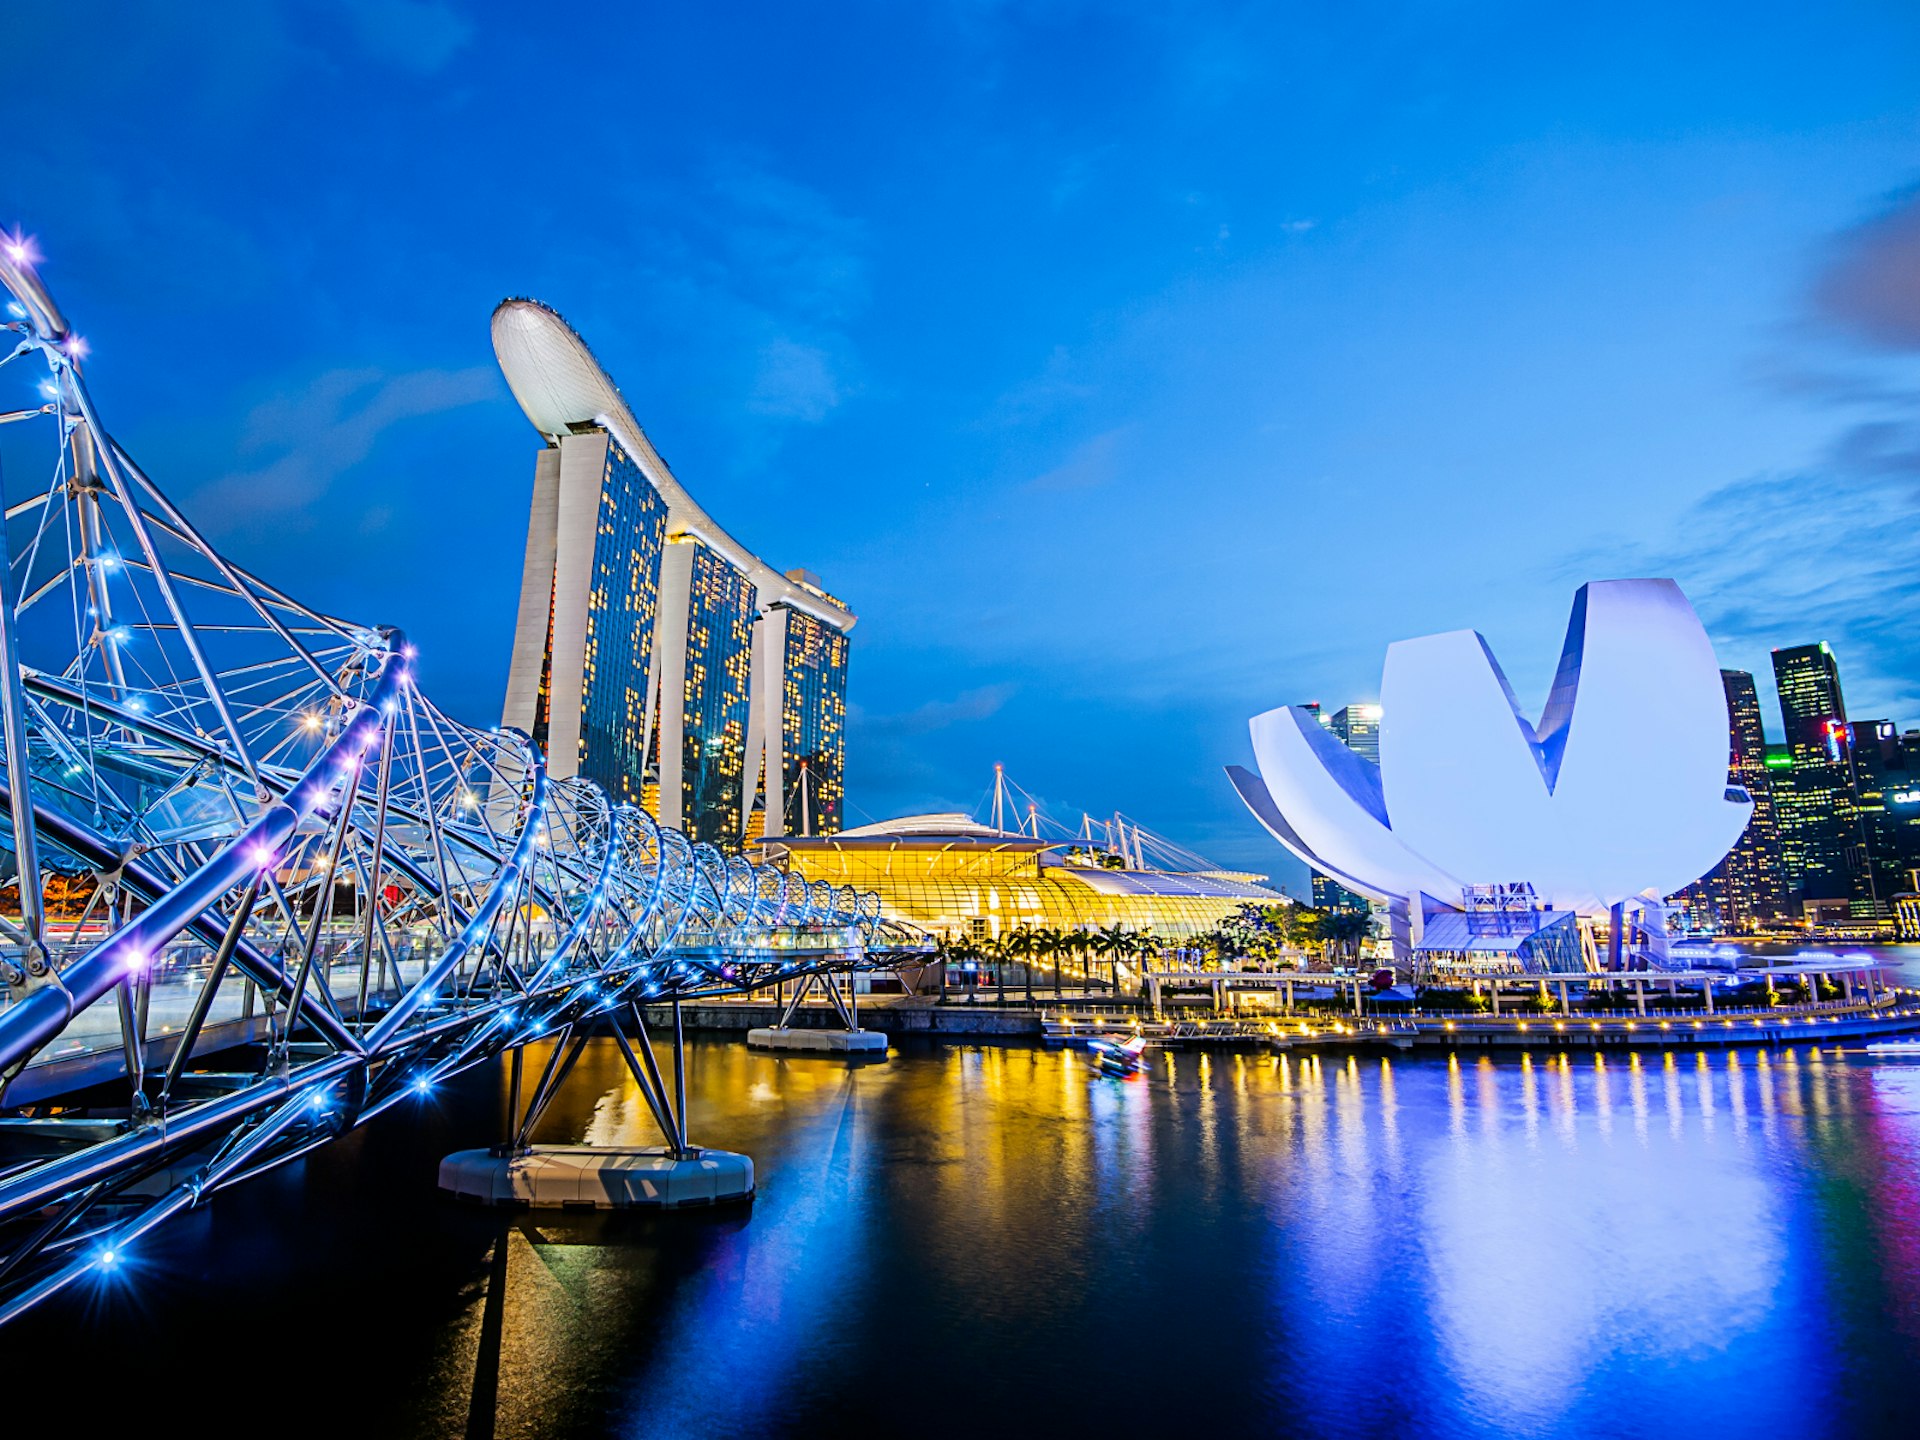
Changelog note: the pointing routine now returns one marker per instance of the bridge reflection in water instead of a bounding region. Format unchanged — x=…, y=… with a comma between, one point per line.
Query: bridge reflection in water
x=1653, y=1245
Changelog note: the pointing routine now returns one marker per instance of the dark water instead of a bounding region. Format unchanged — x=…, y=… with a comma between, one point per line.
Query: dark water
x=996, y=1240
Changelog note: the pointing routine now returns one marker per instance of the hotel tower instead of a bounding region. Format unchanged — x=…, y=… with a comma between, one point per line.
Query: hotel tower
x=653, y=653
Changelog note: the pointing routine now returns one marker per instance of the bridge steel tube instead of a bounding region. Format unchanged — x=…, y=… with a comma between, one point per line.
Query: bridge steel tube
x=33, y=1021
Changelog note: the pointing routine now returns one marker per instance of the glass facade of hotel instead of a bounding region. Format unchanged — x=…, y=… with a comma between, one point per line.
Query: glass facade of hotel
x=814, y=724
x=983, y=890
x=653, y=653
x=720, y=613
x=622, y=607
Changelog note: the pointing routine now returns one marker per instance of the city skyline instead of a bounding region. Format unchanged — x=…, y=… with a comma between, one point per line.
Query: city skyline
x=1276, y=645
x=1168, y=354
x=1836, y=801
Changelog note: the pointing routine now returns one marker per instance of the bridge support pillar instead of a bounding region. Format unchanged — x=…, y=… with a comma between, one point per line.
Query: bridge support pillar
x=850, y=1040
x=524, y=1175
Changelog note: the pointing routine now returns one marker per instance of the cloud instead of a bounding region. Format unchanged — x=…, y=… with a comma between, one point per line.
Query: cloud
x=1814, y=554
x=1823, y=551
x=417, y=35
x=787, y=246
x=1870, y=286
x=759, y=281
x=1054, y=388
x=1094, y=464
x=894, y=766
x=795, y=382
x=968, y=707
x=308, y=438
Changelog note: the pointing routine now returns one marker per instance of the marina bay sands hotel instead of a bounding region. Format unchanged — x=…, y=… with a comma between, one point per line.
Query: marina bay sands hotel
x=653, y=652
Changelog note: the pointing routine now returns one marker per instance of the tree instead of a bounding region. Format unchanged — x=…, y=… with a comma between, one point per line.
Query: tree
x=1114, y=942
x=1020, y=943
x=1056, y=945
x=1303, y=926
x=1065, y=943
x=942, y=952
x=1346, y=929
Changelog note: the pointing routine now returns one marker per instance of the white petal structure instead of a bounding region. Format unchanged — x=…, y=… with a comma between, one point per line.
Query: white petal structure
x=1620, y=791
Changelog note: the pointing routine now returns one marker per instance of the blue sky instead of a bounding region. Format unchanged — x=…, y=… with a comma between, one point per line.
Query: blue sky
x=1128, y=369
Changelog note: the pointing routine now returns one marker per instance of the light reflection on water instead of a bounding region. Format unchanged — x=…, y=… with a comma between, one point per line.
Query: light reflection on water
x=965, y=1239
x=1300, y=1244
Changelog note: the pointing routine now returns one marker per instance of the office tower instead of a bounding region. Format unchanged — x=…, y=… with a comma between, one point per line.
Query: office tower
x=1332, y=895
x=1818, y=824
x=1888, y=817
x=654, y=653
x=1904, y=806
x=1358, y=727
x=1747, y=890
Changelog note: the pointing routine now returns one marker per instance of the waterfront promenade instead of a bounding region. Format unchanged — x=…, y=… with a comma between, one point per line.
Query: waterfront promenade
x=1890, y=1011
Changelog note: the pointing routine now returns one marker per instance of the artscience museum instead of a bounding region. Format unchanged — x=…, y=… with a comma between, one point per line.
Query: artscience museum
x=1496, y=840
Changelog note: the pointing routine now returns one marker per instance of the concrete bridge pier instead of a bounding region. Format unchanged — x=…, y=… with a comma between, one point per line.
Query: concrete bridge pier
x=518, y=1173
x=850, y=1041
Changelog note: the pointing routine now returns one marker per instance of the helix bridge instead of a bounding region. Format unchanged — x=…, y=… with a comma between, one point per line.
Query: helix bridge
x=259, y=889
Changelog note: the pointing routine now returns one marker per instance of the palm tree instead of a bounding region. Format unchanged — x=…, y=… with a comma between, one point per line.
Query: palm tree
x=1077, y=941
x=1144, y=946
x=1053, y=944
x=1114, y=942
x=944, y=949
x=990, y=952
x=1020, y=943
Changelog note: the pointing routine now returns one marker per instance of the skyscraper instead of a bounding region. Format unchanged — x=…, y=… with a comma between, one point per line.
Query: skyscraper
x=598, y=610
x=1818, y=821
x=653, y=653
x=1748, y=888
x=1882, y=789
x=705, y=687
x=798, y=750
x=1358, y=727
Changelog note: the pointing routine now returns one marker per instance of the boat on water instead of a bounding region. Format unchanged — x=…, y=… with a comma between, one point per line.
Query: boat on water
x=1909, y=1048
x=1119, y=1057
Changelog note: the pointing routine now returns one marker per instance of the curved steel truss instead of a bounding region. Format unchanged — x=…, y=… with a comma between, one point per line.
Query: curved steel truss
x=234, y=820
